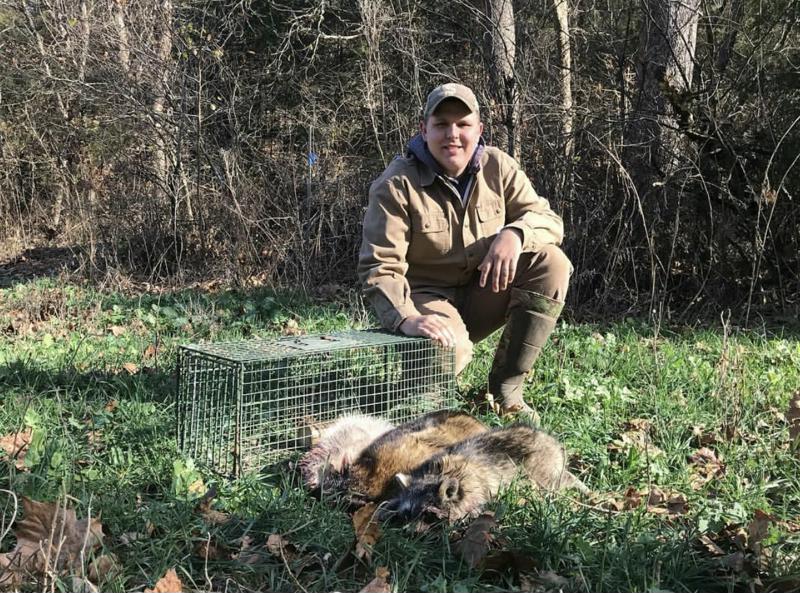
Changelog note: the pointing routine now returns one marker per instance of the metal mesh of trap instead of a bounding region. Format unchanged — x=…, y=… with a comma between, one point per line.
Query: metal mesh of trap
x=243, y=405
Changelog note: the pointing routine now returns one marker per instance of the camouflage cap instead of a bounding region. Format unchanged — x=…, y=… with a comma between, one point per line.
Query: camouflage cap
x=451, y=90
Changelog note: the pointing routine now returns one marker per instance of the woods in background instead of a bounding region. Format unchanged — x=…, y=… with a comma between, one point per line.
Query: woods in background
x=172, y=138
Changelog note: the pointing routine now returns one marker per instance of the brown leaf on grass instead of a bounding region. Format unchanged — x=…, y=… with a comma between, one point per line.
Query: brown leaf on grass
x=111, y=406
x=702, y=438
x=132, y=368
x=380, y=584
x=636, y=435
x=477, y=539
x=706, y=466
x=247, y=554
x=104, y=568
x=793, y=418
x=367, y=529
x=209, y=549
x=116, y=330
x=150, y=352
x=16, y=445
x=280, y=547
x=50, y=539
x=757, y=529
x=631, y=499
x=211, y=515
x=711, y=546
x=169, y=583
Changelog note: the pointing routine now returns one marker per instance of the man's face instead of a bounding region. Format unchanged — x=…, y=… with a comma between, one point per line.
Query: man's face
x=452, y=133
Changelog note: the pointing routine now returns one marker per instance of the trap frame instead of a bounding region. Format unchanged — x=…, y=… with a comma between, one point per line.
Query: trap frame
x=243, y=405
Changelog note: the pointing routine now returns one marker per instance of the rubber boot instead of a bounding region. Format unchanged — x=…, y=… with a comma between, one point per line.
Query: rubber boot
x=530, y=321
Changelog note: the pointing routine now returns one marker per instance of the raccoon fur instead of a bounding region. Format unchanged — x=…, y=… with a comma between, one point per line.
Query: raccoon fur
x=371, y=476
x=459, y=481
x=339, y=445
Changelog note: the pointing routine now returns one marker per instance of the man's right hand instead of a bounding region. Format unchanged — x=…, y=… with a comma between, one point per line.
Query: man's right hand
x=429, y=326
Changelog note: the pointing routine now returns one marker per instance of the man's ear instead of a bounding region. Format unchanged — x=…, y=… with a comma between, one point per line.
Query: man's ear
x=481, y=133
x=423, y=129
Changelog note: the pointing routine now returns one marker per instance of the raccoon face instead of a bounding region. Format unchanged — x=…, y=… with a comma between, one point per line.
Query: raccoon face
x=428, y=498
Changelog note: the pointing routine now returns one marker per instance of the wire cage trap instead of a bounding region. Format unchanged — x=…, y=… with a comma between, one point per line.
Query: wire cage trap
x=243, y=405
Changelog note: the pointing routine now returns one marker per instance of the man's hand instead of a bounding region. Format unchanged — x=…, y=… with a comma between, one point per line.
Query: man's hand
x=501, y=260
x=429, y=326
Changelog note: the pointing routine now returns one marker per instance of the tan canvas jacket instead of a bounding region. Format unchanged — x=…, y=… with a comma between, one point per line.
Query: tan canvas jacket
x=418, y=236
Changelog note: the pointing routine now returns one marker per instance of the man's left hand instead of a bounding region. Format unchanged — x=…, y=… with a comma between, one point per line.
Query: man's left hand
x=501, y=260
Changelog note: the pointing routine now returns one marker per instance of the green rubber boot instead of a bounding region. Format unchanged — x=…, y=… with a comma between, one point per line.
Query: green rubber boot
x=531, y=319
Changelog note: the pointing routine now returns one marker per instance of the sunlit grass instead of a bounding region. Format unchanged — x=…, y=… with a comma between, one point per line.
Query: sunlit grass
x=92, y=374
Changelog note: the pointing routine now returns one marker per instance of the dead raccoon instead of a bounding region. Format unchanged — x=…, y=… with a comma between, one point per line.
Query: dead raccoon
x=404, y=448
x=339, y=445
x=459, y=481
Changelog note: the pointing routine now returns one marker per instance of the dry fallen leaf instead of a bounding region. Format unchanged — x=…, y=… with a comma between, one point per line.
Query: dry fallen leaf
x=477, y=539
x=636, y=435
x=368, y=532
x=793, y=418
x=757, y=529
x=16, y=445
x=247, y=553
x=50, y=539
x=209, y=549
x=711, y=546
x=380, y=584
x=150, y=352
x=169, y=583
x=116, y=330
x=131, y=368
x=702, y=438
x=705, y=466
x=111, y=406
x=211, y=516
x=281, y=547
x=104, y=568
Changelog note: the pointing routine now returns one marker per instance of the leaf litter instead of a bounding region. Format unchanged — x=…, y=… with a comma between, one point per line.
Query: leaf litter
x=367, y=530
x=15, y=446
x=50, y=540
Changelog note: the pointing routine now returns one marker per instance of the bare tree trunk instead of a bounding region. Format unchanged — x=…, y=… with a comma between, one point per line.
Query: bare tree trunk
x=373, y=13
x=668, y=39
x=26, y=9
x=565, y=79
x=732, y=16
x=161, y=82
x=500, y=55
x=124, y=51
x=655, y=143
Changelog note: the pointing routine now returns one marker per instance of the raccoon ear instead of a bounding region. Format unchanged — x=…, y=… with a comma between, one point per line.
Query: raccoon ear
x=449, y=489
x=402, y=480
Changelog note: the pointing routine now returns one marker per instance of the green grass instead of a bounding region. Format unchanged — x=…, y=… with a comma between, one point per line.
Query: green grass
x=104, y=436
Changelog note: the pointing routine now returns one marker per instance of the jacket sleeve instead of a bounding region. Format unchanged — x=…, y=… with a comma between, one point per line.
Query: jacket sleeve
x=382, y=261
x=528, y=211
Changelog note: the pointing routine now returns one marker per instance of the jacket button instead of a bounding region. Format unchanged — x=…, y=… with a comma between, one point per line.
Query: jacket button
x=427, y=225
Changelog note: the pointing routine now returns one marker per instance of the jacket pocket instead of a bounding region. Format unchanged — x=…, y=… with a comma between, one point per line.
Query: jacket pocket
x=430, y=236
x=492, y=217
x=490, y=212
